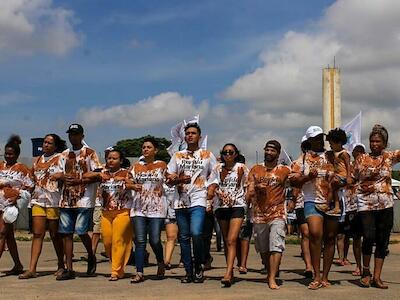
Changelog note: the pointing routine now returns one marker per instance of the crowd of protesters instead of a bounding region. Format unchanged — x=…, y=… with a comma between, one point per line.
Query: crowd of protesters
x=334, y=197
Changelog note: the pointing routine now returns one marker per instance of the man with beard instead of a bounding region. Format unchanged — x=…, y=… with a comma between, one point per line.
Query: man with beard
x=266, y=192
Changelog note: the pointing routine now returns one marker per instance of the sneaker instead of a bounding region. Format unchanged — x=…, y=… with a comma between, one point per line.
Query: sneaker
x=66, y=275
x=91, y=265
x=187, y=279
x=198, y=276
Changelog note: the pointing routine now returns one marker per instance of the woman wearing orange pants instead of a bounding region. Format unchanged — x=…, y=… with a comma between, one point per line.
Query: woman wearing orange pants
x=116, y=226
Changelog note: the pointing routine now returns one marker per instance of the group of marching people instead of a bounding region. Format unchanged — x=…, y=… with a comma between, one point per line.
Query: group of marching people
x=69, y=190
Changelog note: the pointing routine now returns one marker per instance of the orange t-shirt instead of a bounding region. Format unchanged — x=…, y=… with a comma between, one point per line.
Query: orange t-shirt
x=269, y=204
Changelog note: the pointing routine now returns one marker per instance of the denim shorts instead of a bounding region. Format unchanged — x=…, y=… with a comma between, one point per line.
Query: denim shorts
x=78, y=220
x=310, y=210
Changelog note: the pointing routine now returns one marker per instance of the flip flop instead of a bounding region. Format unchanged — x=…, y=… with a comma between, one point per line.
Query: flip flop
x=27, y=275
x=325, y=284
x=113, y=278
x=356, y=273
x=315, y=285
x=242, y=270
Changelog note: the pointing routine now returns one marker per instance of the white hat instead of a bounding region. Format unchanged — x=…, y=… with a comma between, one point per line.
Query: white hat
x=10, y=214
x=303, y=139
x=313, y=131
x=359, y=145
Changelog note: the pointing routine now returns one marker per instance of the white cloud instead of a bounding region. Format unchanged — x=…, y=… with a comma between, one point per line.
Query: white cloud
x=286, y=90
x=163, y=108
x=30, y=26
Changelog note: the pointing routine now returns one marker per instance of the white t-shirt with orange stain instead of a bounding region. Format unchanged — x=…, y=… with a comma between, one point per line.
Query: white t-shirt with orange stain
x=112, y=192
x=317, y=189
x=151, y=201
x=231, y=190
x=198, y=165
x=374, y=176
x=269, y=204
x=79, y=162
x=18, y=177
x=47, y=192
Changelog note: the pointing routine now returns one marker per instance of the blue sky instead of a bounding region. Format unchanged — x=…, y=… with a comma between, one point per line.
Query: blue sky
x=101, y=54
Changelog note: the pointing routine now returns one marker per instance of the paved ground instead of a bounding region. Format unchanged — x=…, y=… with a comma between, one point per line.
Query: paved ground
x=249, y=286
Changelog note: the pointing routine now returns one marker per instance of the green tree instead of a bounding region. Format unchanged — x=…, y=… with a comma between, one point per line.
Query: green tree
x=133, y=147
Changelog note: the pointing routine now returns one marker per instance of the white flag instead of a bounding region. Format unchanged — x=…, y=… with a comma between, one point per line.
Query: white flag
x=284, y=158
x=178, y=136
x=353, y=132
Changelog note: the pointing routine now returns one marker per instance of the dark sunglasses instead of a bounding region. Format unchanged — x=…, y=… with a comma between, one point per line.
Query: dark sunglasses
x=228, y=152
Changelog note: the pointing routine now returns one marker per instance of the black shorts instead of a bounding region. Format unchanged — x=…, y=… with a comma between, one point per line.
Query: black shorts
x=354, y=228
x=351, y=226
x=229, y=213
x=301, y=219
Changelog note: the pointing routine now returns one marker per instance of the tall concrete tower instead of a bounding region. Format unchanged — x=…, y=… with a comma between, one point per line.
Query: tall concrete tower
x=331, y=99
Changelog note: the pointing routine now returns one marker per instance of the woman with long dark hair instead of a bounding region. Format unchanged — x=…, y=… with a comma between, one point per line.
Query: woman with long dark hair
x=15, y=183
x=45, y=201
x=149, y=208
x=227, y=183
x=373, y=172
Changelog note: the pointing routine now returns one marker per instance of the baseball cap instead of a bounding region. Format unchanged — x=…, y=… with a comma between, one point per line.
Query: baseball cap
x=75, y=128
x=273, y=144
x=313, y=131
x=303, y=139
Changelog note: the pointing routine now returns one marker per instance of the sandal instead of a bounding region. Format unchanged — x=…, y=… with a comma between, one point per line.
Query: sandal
x=314, y=285
x=137, y=278
x=226, y=282
x=59, y=272
x=356, y=272
x=242, y=270
x=365, y=280
x=27, y=275
x=325, y=283
x=113, y=278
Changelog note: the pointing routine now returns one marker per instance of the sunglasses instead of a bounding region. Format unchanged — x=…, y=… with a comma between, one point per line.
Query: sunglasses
x=228, y=152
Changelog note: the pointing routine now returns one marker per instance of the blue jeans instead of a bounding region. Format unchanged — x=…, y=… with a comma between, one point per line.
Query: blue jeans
x=190, y=224
x=152, y=226
x=78, y=220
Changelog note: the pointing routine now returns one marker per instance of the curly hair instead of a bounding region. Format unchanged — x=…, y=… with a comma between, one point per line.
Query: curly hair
x=382, y=132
